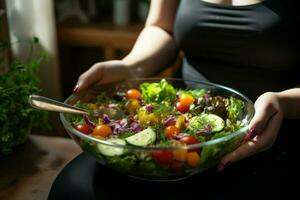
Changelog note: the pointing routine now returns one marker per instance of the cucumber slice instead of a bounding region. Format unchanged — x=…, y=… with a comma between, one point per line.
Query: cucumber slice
x=143, y=138
x=199, y=122
x=216, y=122
x=110, y=150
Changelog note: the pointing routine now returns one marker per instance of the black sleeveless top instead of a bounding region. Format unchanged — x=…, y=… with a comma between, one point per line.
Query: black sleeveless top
x=251, y=48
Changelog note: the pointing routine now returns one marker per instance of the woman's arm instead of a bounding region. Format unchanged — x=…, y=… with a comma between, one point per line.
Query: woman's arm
x=154, y=49
x=290, y=102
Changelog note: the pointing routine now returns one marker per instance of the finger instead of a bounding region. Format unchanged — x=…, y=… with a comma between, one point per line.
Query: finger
x=260, y=143
x=264, y=110
x=263, y=113
x=88, y=78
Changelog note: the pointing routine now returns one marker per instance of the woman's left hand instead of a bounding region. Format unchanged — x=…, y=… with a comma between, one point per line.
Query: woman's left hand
x=263, y=129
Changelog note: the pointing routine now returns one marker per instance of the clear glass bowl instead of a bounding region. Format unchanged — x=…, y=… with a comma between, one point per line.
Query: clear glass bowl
x=137, y=162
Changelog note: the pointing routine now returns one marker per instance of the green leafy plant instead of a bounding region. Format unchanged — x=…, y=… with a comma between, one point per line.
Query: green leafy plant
x=16, y=84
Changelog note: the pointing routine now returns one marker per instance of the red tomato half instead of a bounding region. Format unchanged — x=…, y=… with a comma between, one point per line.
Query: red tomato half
x=171, y=131
x=182, y=108
x=83, y=128
x=190, y=140
x=162, y=157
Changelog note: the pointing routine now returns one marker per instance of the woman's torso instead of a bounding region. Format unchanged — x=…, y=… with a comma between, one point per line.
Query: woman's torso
x=240, y=46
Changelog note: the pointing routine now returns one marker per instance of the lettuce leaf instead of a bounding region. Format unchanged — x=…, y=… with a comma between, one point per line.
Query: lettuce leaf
x=214, y=152
x=157, y=92
x=234, y=108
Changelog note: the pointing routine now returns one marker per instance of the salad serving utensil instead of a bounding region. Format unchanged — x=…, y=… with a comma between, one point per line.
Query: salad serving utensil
x=44, y=103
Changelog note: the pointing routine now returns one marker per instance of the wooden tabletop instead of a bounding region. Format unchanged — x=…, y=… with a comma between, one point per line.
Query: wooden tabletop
x=30, y=171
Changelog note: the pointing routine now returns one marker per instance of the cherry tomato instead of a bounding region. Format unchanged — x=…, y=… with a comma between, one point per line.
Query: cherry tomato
x=182, y=108
x=83, y=128
x=193, y=159
x=171, y=131
x=180, y=155
x=162, y=157
x=102, y=130
x=186, y=99
x=133, y=94
x=190, y=140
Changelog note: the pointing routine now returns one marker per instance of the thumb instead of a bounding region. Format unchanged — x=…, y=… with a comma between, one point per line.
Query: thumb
x=260, y=143
x=259, y=121
x=265, y=109
x=88, y=78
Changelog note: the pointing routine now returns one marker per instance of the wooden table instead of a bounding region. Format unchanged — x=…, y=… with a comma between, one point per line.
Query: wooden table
x=30, y=171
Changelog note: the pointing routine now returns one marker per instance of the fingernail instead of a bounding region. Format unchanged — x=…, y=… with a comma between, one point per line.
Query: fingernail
x=75, y=88
x=227, y=164
x=252, y=133
x=222, y=167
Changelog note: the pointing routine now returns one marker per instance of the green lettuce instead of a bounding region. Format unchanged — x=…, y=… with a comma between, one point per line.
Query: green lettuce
x=212, y=153
x=124, y=163
x=234, y=108
x=157, y=92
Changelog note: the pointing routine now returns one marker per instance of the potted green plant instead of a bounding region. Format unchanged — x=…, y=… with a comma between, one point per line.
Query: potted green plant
x=17, y=82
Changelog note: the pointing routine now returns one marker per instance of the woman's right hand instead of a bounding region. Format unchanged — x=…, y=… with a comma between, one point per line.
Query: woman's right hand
x=102, y=72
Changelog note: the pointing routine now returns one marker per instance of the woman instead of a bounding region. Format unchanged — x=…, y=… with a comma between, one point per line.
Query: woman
x=245, y=44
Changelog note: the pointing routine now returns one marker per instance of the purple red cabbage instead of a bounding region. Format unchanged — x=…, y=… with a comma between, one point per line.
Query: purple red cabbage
x=106, y=119
x=169, y=121
x=135, y=127
x=89, y=122
x=149, y=108
x=206, y=130
x=121, y=126
x=179, y=136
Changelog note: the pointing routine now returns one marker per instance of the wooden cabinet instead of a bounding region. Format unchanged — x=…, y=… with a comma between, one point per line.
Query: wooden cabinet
x=109, y=37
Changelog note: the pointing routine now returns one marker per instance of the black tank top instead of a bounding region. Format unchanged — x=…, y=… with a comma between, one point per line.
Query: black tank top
x=251, y=48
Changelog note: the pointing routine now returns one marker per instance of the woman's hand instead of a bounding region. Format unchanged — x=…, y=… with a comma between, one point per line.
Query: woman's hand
x=263, y=132
x=103, y=72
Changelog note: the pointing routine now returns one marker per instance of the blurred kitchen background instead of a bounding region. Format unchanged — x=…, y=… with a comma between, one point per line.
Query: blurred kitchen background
x=75, y=35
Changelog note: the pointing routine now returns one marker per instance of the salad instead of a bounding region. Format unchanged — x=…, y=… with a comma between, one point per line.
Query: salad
x=159, y=115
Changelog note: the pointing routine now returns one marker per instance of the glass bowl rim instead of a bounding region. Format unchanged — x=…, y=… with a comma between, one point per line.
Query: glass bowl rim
x=71, y=129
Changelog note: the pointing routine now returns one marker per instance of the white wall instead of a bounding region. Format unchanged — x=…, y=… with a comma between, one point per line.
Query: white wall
x=28, y=18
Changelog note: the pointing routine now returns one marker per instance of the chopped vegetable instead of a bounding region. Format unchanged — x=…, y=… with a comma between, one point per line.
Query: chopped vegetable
x=108, y=150
x=84, y=128
x=162, y=158
x=158, y=115
x=142, y=138
x=234, y=108
x=102, y=130
x=157, y=92
x=203, y=121
x=186, y=99
x=133, y=94
x=182, y=108
x=171, y=131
